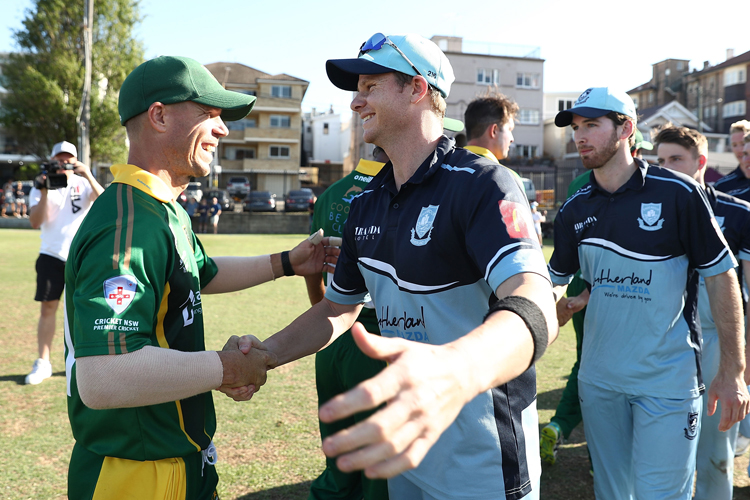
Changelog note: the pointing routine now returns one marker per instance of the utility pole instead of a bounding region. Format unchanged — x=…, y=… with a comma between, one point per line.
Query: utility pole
x=84, y=112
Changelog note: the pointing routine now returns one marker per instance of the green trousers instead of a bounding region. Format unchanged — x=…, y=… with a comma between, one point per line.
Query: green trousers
x=568, y=412
x=338, y=368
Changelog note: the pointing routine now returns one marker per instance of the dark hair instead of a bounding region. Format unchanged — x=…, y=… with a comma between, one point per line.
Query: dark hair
x=493, y=107
x=436, y=98
x=619, y=119
x=692, y=140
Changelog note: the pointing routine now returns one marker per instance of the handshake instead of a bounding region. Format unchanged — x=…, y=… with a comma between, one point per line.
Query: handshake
x=245, y=372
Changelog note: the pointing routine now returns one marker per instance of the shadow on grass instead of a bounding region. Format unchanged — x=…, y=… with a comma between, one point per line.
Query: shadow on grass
x=548, y=400
x=286, y=492
x=741, y=493
x=21, y=379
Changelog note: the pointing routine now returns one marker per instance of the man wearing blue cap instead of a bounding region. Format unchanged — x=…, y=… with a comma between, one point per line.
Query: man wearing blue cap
x=139, y=377
x=443, y=241
x=641, y=237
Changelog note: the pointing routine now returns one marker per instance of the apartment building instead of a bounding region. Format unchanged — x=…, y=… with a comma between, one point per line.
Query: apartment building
x=514, y=70
x=265, y=146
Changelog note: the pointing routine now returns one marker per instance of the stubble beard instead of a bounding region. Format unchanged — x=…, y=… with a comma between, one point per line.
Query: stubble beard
x=608, y=151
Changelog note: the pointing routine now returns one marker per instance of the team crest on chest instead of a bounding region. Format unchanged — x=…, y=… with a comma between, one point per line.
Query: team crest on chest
x=420, y=235
x=119, y=292
x=649, y=219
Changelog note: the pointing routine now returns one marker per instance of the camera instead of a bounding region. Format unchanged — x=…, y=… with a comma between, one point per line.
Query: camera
x=56, y=179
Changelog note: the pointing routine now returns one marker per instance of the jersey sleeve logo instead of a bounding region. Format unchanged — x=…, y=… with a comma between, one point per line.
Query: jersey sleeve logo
x=420, y=235
x=650, y=213
x=515, y=219
x=119, y=292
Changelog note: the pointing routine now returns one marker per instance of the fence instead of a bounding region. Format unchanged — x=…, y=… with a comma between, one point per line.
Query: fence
x=551, y=180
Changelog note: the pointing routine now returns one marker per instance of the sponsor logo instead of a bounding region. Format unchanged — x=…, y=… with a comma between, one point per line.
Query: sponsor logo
x=366, y=233
x=628, y=287
x=691, y=431
x=116, y=324
x=350, y=194
x=404, y=326
x=119, y=292
x=649, y=219
x=362, y=178
x=580, y=226
x=516, y=220
x=191, y=307
x=420, y=235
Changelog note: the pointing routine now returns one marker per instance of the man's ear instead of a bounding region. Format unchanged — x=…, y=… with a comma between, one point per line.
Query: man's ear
x=420, y=88
x=493, y=130
x=628, y=129
x=157, y=117
x=702, y=160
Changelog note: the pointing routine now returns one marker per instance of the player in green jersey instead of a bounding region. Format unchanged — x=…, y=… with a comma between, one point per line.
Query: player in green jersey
x=342, y=365
x=139, y=378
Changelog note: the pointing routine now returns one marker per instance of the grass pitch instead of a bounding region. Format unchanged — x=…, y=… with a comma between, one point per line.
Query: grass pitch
x=268, y=448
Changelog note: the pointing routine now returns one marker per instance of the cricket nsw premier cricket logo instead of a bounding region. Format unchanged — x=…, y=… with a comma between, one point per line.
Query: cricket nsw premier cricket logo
x=649, y=220
x=420, y=235
x=119, y=292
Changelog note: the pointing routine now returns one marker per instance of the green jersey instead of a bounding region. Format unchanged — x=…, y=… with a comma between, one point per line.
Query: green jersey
x=133, y=279
x=332, y=209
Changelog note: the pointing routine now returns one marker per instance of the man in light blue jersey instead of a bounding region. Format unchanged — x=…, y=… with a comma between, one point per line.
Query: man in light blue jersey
x=641, y=237
x=460, y=290
x=686, y=151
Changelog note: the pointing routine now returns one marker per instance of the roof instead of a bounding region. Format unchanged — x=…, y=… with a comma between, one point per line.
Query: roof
x=742, y=58
x=238, y=73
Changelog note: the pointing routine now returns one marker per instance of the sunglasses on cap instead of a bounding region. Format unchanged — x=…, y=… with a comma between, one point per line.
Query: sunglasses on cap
x=376, y=42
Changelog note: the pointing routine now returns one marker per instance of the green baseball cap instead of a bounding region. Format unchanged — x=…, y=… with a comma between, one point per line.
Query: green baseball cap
x=171, y=79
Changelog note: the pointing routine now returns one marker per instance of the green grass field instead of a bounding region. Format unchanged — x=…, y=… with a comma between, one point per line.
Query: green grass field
x=269, y=448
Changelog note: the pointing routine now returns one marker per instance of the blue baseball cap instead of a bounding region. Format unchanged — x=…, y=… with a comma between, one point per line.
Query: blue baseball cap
x=410, y=54
x=596, y=102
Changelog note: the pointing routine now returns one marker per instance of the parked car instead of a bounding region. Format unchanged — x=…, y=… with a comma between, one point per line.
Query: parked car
x=299, y=200
x=226, y=202
x=194, y=189
x=238, y=186
x=260, y=201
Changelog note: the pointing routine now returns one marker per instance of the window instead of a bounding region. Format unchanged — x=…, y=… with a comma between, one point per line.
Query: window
x=325, y=129
x=241, y=124
x=278, y=151
x=734, y=76
x=488, y=76
x=563, y=104
x=736, y=108
x=281, y=91
x=650, y=97
x=521, y=151
x=635, y=102
x=281, y=121
x=235, y=153
x=527, y=80
x=528, y=117
x=680, y=65
x=246, y=92
x=710, y=111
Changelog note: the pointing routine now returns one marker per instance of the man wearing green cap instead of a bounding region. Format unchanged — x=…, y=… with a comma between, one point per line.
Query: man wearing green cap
x=443, y=241
x=139, y=378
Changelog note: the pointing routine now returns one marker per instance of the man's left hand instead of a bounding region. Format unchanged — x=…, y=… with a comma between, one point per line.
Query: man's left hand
x=732, y=393
x=308, y=258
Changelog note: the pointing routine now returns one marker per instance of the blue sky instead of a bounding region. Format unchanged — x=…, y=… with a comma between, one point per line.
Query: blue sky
x=585, y=43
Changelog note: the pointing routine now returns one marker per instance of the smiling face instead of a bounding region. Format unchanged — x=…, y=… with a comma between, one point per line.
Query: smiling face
x=597, y=140
x=745, y=162
x=380, y=102
x=193, y=135
x=737, y=144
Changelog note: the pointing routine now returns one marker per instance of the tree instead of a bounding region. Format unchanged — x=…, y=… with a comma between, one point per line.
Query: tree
x=44, y=79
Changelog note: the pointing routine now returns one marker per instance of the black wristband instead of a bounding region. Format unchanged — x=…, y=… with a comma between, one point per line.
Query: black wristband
x=286, y=264
x=530, y=313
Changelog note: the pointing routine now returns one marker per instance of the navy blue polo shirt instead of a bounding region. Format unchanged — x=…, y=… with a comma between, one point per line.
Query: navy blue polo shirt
x=431, y=256
x=733, y=217
x=734, y=183
x=638, y=250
